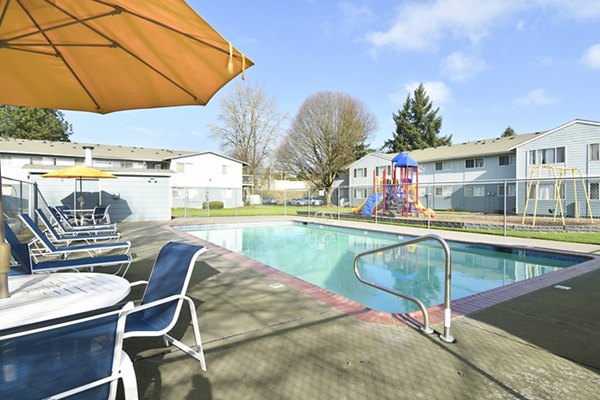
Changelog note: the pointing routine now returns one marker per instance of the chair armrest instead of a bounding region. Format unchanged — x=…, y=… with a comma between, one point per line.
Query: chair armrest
x=159, y=302
x=137, y=283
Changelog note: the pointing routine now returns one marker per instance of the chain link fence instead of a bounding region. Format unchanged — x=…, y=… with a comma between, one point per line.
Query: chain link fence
x=543, y=204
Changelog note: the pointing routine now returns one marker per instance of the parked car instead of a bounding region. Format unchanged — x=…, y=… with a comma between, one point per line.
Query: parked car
x=298, y=202
x=316, y=202
x=269, y=200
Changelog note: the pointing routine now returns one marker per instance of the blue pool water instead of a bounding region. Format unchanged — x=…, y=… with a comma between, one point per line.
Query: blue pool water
x=324, y=255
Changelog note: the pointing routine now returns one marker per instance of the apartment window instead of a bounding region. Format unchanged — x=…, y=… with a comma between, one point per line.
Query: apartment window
x=550, y=155
x=360, y=193
x=511, y=188
x=474, y=163
x=547, y=191
x=594, y=191
x=474, y=190
x=360, y=173
x=507, y=159
x=224, y=169
x=180, y=168
x=443, y=190
x=379, y=171
x=442, y=166
x=595, y=152
x=560, y=154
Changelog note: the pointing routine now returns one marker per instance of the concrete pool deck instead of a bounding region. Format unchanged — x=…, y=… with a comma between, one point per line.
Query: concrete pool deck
x=265, y=342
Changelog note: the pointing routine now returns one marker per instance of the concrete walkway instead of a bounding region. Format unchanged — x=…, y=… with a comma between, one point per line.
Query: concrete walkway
x=264, y=342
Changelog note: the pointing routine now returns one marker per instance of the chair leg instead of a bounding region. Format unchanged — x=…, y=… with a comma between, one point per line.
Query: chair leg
x=199, y=354
x=128, y=377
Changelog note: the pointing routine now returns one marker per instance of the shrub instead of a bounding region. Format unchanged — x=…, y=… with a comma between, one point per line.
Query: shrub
x=213, y=205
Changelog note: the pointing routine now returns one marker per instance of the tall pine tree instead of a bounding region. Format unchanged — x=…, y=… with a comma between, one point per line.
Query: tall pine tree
x=417, y=125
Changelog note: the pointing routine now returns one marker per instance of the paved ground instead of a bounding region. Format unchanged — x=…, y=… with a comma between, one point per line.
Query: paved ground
x=278, y=343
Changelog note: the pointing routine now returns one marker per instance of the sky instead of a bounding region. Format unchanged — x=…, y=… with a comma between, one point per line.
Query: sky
x=532, y=65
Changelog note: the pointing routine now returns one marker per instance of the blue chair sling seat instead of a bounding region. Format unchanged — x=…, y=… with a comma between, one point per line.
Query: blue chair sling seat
x=68, y=221
x=56, y=237
x=42, y=246
x=29, y=265
x=79, y=357
x=164, y=296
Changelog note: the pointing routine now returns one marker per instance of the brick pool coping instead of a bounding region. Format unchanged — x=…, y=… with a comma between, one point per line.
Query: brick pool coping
x=459, y=307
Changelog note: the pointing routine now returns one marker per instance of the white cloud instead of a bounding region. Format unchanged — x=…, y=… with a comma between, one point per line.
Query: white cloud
x=536, y=97
x=420, y=26
x=459, y=67
x=591, y=58
x=437, y=91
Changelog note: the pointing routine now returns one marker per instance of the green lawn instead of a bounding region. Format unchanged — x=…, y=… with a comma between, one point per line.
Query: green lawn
x=573, y=237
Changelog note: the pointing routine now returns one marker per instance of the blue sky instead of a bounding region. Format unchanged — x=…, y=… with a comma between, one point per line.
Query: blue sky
x=486, y=64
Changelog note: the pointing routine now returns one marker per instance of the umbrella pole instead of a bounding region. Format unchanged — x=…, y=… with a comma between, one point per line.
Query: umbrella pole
x=4, y=250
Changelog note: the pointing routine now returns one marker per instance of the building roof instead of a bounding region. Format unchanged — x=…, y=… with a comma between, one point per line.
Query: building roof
x=100, y=151
x=483, y=147
x=209, y=152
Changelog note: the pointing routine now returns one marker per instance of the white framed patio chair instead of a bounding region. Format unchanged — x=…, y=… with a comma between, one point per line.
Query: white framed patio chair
x=164, y=296
x=64, y=228
x=69, y=222
x=99, y=215
x=76, y=357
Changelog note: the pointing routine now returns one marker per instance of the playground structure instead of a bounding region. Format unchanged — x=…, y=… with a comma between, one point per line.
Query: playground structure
x=559, y=174
x=398, y=192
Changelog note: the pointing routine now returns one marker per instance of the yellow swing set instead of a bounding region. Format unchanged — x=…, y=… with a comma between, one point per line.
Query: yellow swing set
x=559, y=174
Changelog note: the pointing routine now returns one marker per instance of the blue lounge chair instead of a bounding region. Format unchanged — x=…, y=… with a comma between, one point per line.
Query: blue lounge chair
x=67, y=239
x=29, y=265
x=62, y=226
x=42, y=246
x=79, y=356
x=71, y=222
x=164, y=296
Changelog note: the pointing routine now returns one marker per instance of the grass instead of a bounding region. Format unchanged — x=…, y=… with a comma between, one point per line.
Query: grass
x=249, y=211
x=571, y=237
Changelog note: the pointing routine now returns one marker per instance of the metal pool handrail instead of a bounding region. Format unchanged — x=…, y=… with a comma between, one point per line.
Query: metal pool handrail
x=445, y=336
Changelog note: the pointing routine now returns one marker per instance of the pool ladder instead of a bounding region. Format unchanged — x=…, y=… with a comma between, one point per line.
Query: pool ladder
x=445, y=336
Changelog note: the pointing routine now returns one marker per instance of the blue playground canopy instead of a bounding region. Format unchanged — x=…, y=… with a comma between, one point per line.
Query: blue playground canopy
x=402, y=159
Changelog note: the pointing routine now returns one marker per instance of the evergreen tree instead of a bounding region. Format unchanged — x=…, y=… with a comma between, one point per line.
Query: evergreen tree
x=361, y=149
x=417, y=125
x=34, y=123
x=508, y=132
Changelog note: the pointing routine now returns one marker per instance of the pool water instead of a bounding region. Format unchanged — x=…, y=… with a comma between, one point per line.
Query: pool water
x=324, y=256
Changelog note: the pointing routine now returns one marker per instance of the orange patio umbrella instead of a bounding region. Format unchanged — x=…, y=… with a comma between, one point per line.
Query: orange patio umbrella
x=108, y=55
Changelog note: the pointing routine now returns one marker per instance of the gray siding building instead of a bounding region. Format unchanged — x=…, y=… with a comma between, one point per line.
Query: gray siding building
x=490, y=174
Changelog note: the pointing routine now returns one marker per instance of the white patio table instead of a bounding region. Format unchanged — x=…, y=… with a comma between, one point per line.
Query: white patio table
x=35, y=298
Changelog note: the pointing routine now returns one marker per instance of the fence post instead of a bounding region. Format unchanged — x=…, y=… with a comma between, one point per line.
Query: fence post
x=429, y=209
x=35, y=198
x=285, y=201
x=505, y=196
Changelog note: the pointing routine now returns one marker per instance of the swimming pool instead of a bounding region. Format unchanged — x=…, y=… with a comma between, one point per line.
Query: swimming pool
x=323, y=255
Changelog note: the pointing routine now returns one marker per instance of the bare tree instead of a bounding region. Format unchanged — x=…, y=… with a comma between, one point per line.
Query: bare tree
x=323, y=137
x=248, y=124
